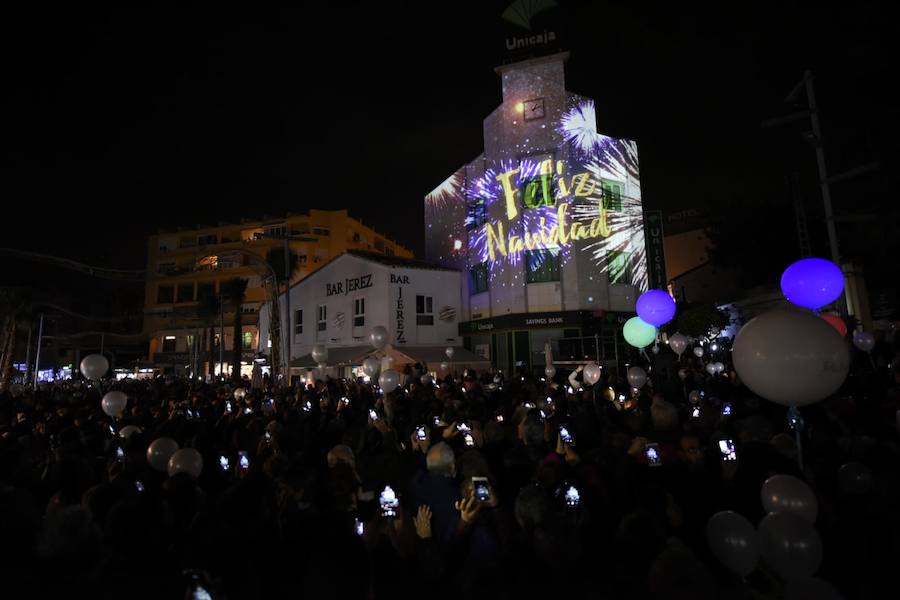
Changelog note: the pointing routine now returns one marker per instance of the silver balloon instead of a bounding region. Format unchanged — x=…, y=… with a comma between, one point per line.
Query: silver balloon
x=389, y=380
x=791, y=357
x=550, y=372
x=733, y=541
x=790, y=545
x=855, y=478
x=698, y=351
x=128, y=431
x=319, y=353
x=694, y=397
x=378, y=337
x=160, y=451
x=711, y=368
x=720, y=367
x=637, y=377
x=449, y=352
x=94, y=366
x=445, y=367
x=787, y=494
x=240, y=393
x=114, y=403
x=371, y=366
x=864, y=340
x=186, y=460
x=591, y=373
x=810, y=588
x=678, y=343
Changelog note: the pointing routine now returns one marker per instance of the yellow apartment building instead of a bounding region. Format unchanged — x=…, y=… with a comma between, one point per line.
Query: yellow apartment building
x=186, y=264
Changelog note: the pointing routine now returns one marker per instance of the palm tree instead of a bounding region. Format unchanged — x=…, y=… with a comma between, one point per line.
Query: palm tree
x=236, y=290
x=208, y=312
x=276, y=259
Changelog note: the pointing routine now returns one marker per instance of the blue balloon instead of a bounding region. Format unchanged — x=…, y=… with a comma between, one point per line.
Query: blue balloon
x=656, y=307
x=812, y=283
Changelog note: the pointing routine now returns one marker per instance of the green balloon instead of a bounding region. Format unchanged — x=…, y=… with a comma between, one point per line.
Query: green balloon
x=639, y=333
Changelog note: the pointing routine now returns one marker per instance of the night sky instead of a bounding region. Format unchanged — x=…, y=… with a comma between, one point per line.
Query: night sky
x=122, y=121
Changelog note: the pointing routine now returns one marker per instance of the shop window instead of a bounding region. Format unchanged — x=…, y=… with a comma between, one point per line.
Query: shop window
x=165, y=294
x=541, y=266
x=424, y=310
x=359, y=312
x=478, y=276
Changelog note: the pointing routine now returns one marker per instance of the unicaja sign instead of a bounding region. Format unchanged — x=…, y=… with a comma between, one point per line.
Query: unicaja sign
x=521, y=13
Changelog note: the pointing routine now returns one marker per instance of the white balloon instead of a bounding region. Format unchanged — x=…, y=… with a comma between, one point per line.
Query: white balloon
x=864, y=340
x=378, y=337
x=371, y=366
x=678, y=343
x=698, y=351
x=186, y=460
x=720, y=367
x=791, y=357
x=94, y=366
x=445, y=367
x=550, y=371
x=389, y=380
x=591, y=373
x=114, y=403
x=160, y=451
x=319, y=354
x=637, y=377
x=449, y=352
x=128, y=431
x=240, y=393
x=711, y=368
x=787, y=494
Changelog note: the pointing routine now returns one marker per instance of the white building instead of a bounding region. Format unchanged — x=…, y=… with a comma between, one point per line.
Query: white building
x=339, y=304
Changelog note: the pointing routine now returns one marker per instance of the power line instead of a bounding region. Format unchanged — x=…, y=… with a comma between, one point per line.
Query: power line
x=66, y=263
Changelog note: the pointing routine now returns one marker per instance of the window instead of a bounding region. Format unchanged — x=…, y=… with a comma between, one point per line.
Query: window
x=323, y=231
x=276, y=231
x=323, y=317
x=207, y=289
x=207, y=240
x=169, y=343
x=617, y=267
x=356, y=237
x=186, y=292
x=478, y=278
x=247, y=340
x=379, y=244
x=301, y=259
x=165, y=294
x=166, y=267
x=424, y=312
x=298, y=321
x=541, y=266
x=611, y=194
x=476, y=213
x=359, y=312
x=389, y=250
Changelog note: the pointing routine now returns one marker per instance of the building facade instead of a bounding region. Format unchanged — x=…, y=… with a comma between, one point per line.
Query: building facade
x=338, y=305
x=546, y=224
x=187, y=265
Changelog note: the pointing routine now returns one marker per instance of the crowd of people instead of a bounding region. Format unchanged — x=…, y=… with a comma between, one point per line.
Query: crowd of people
x=475, y=486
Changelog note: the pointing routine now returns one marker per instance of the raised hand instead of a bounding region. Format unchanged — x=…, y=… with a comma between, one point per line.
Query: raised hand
x=423, y=522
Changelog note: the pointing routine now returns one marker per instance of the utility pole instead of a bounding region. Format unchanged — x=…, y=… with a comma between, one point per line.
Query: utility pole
x=820, y=161
x=289, y=338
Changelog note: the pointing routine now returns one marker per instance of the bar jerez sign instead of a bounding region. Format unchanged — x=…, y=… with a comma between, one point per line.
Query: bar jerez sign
x=342, y=288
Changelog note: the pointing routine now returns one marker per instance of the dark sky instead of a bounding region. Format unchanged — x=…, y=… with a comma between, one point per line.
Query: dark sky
x=119, y=121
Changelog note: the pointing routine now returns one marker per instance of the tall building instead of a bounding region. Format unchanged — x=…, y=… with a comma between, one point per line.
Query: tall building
x=547, y=225
x=186, y=265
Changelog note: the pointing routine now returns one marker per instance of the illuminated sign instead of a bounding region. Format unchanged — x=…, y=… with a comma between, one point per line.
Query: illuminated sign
x=342, y=288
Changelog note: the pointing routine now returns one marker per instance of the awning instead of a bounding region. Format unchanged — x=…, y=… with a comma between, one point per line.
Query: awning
x=339, y=356
x=435, y=355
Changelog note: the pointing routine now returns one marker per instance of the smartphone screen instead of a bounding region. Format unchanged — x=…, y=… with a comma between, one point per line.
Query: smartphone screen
x=112, y=430
x=358, y=527
x=565, y=436
x=139, y=486
x=481, y=489
x=726, y=409
x=388, y=502
x=420, y=433
x=572, y=496
x=653, y=457
x=228, y=406
x=373, y=415
x=463, y=427
x=726, y=447
x=268, y=436
x=437, y=421
x=244, y=460
x=120, y=454
x=695, y=413
x=224, y=462
x=499, y=418
x=468, y=439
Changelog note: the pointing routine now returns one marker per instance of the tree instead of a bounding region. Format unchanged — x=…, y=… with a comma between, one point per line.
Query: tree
x=235, y=291
x=701, y=321
x=15, y=307
x=275, y=258
x=208, y=311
